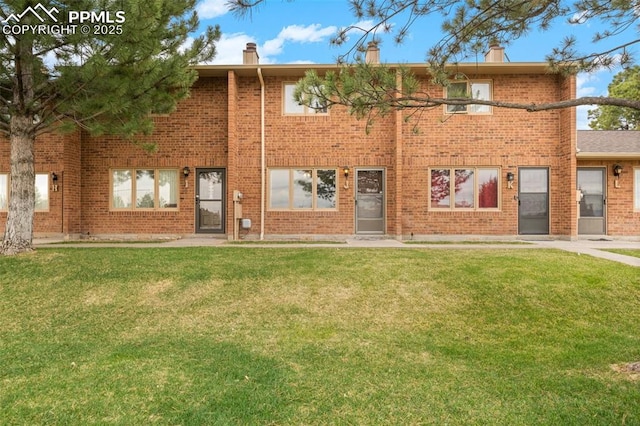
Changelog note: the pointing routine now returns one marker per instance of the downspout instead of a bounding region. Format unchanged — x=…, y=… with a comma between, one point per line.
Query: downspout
x=262, y=156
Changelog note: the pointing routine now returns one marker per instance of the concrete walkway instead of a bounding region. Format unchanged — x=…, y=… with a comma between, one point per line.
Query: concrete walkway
x=591, y=247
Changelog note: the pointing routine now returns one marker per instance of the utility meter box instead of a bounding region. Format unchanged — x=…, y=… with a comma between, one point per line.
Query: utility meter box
x=245, y=223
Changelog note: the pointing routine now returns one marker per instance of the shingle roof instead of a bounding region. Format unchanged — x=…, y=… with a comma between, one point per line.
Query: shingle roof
x=603, y=142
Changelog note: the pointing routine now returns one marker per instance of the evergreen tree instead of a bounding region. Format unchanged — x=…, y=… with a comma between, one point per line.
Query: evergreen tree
x=107, y=74
x=468, y=27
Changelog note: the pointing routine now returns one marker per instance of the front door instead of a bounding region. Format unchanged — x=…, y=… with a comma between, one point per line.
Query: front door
x=210, y=190
x=533, y=201
x=370, y=201
x=591, y=187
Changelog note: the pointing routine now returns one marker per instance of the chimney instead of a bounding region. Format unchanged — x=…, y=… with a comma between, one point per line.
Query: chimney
x=250, y=55
x=372, y=56
x=495, y=53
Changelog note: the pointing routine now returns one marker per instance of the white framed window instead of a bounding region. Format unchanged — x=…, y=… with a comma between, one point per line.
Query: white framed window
x=144, y=189
x=4, y=191
x=636, y=189
x=481, y=89
x=464, y=188
x=292, y=107
x=41, y=192
x=302, y=189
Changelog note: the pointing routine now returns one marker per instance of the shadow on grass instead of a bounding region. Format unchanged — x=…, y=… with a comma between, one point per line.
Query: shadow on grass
x=201, y=382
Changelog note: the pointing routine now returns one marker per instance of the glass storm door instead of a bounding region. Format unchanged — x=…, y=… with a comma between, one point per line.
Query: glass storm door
x=210, y=190
x=591, y=187
x=533, y=201
x=370, y=201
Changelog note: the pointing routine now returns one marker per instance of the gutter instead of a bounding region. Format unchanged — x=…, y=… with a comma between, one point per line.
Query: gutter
x=262, y=156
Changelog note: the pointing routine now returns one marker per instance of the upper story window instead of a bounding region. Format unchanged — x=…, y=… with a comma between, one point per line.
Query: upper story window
x=469, y=89
x=468, y=188
x=291, y=107
x=41, y=192
x=149, y=189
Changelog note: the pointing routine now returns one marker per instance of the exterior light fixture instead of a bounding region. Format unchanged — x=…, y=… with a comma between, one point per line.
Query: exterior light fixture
x=185, y=172
x=510, y=178
x=346, y=171
x=617, y=170
x=54, y=181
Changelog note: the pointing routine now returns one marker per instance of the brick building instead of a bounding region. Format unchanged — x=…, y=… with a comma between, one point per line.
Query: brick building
x=240, y=148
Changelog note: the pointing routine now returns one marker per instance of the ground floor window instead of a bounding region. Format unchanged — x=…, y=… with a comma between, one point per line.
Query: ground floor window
x=302, y=189
x=41, y=191
x=636, y=185
x=148, y=189
x=464, y=188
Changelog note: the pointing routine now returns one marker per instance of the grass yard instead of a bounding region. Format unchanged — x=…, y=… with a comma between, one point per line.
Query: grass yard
x=237, y=335
x=626, y=252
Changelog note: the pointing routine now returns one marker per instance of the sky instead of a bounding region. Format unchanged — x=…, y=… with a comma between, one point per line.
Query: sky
x=299, y=32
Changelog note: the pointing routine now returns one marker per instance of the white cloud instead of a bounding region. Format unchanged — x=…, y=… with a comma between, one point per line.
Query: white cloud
x=313, y=33
x=589, y=84
x=208, y=9
x=229, y=49
x=310, y=34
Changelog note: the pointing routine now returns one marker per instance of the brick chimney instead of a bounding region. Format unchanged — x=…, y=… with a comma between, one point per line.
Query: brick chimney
x=250, y=55
x=372, y=56
x=495, y=53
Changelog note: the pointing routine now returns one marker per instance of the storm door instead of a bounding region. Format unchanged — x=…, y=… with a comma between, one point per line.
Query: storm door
x=210, y=190
x=533, y=201
x=370, y=202
x=591, y=193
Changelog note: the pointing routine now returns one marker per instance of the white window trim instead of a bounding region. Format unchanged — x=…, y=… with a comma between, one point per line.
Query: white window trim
x=476, y=193
x=314, y=186
x=636, y=189
x=307, y=111
x=8, y=192
x=467, y=109
x=156, y=189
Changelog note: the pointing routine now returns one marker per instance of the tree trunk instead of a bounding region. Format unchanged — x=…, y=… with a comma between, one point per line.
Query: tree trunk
x=18, y=233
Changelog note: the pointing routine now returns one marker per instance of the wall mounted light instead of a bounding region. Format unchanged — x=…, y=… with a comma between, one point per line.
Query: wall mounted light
x=510, y=178
x=54, y=181
x=346, y=172
x=186, y=171
x=617, y=170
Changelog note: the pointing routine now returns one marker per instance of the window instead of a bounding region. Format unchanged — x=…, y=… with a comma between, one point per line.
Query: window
x=41, y=192
x=636, y=183
x=473, y=188
x=144, y=189
x=302, y=189
x=469, y=89
x=4, y=191
x=292, y=107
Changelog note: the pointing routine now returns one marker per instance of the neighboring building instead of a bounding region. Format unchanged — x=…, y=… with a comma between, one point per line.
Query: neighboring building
x=608, y=179
x=240, y=148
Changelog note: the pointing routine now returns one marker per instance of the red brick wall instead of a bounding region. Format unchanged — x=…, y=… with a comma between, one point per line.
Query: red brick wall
x=219, y=126
x=195, y=135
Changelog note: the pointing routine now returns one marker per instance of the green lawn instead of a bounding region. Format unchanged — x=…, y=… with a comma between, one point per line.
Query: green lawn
x=626, y=252
x=240, y=335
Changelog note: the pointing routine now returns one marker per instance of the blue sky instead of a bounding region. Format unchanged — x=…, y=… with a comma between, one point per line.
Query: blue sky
x=299, y=32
